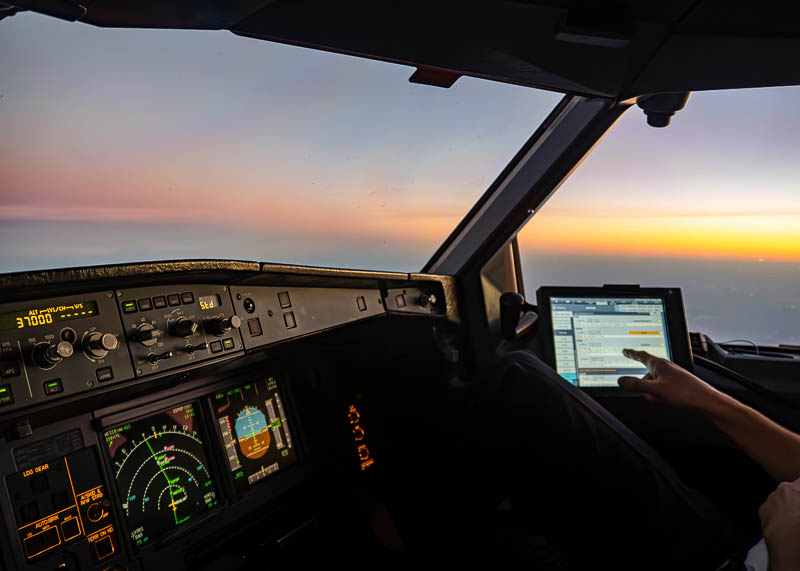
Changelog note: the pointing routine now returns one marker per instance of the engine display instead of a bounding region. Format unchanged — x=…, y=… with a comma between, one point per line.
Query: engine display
x=254, y=430
x=162, y=472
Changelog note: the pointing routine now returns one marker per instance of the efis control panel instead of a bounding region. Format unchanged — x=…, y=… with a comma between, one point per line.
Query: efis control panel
x=59, y=346
x=174, y=326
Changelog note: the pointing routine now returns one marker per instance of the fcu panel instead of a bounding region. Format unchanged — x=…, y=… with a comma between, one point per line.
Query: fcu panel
x=60, y=346
x=272, y=314
x=174, y=326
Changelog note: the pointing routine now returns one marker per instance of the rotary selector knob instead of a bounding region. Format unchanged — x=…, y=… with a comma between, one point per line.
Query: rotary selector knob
x=99, y=344
x=46, y=356
x=147, y=334
x=221, y=325
x=184, y=327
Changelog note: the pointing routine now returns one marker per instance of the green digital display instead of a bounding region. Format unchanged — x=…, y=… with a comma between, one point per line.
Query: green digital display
x=45, y=315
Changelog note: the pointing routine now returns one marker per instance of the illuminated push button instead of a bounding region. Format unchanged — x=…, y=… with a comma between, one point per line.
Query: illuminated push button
x=104, y=547
x=159, y=301
x=173, y=299
x=104, y=374
x=70, y=529
x=289, y=321
x=216, y=346
x=129, y=306
x=61, y=499
x=41, y=542
x=283, y=299
x=187, y=297
x=6, y=396
x=145, y=304
x=361, y=303
x=9, y=369
x=39, y=483
x=254, y=325
x=53, y=387
x=227, y=343
x=400, y=300
x=29, y=513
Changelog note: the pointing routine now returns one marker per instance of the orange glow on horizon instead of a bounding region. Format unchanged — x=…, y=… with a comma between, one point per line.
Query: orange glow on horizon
x=773, y=237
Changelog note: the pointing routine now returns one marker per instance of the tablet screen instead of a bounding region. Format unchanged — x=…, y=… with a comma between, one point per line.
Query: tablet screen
x=589, y=334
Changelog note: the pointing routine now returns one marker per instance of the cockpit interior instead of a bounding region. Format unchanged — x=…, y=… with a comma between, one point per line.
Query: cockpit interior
x=207, y=414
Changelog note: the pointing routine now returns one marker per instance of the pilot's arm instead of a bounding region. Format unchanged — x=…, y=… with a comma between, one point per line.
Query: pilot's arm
x=774, y=448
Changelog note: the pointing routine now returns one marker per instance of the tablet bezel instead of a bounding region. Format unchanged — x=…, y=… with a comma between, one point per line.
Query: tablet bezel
x=675, y=314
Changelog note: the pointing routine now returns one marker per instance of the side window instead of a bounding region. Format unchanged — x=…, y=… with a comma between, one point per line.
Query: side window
x=710, y=204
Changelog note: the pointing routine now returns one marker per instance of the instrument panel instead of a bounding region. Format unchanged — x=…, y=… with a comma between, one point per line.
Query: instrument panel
x=254, y=429
x=161, y=472
x=156, y=418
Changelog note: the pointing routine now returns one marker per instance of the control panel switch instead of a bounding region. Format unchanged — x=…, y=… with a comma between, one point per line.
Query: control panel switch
x=154, y=358
x=46, y=356
x=184, y=327
x=221, y=325
x=99, y=344
x=147, y=335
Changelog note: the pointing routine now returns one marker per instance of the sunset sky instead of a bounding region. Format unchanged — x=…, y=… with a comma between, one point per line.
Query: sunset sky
x=124, y=145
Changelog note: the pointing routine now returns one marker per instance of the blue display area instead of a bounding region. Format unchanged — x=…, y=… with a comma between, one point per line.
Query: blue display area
x=250, y=422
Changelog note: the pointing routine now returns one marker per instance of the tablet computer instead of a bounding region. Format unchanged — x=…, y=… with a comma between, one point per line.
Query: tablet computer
x=585, y=329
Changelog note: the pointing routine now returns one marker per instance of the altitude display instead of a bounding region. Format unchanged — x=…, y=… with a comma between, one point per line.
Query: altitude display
x=255, y=432
x=162, y=472
x=34, y=316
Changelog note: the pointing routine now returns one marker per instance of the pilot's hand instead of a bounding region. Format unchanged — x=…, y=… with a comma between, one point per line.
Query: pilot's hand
x=666, y=382
x=780, y=522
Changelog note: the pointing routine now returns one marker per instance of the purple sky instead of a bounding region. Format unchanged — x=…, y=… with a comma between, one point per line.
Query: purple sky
x=125, y=145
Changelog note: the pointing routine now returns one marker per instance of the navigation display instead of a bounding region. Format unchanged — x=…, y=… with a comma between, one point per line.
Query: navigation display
x=162, y=472
x=589, y=334
x=255, y=431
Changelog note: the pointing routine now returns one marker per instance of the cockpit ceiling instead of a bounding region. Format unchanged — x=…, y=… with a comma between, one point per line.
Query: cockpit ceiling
x=611, y=49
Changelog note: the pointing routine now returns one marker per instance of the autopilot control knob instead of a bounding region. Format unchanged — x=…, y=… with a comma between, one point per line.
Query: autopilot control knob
x=184, y=327
x=99, y=344
x=148, y=334
x=46, y=355
x=221, y=325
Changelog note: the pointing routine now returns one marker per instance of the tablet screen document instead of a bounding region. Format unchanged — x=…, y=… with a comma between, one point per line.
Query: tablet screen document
x=589, y=334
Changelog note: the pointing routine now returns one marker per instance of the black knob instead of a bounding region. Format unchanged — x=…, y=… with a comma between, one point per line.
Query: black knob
x=221, y=325
x=184, y=327
x=47, y=356
x=156, y=357
x=99, y=344
x=147, y=334
x=427, y=299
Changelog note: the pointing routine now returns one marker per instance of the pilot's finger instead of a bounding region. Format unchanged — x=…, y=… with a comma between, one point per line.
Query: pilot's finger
x=643, y=357
x=642, y=386
x=634, y=384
